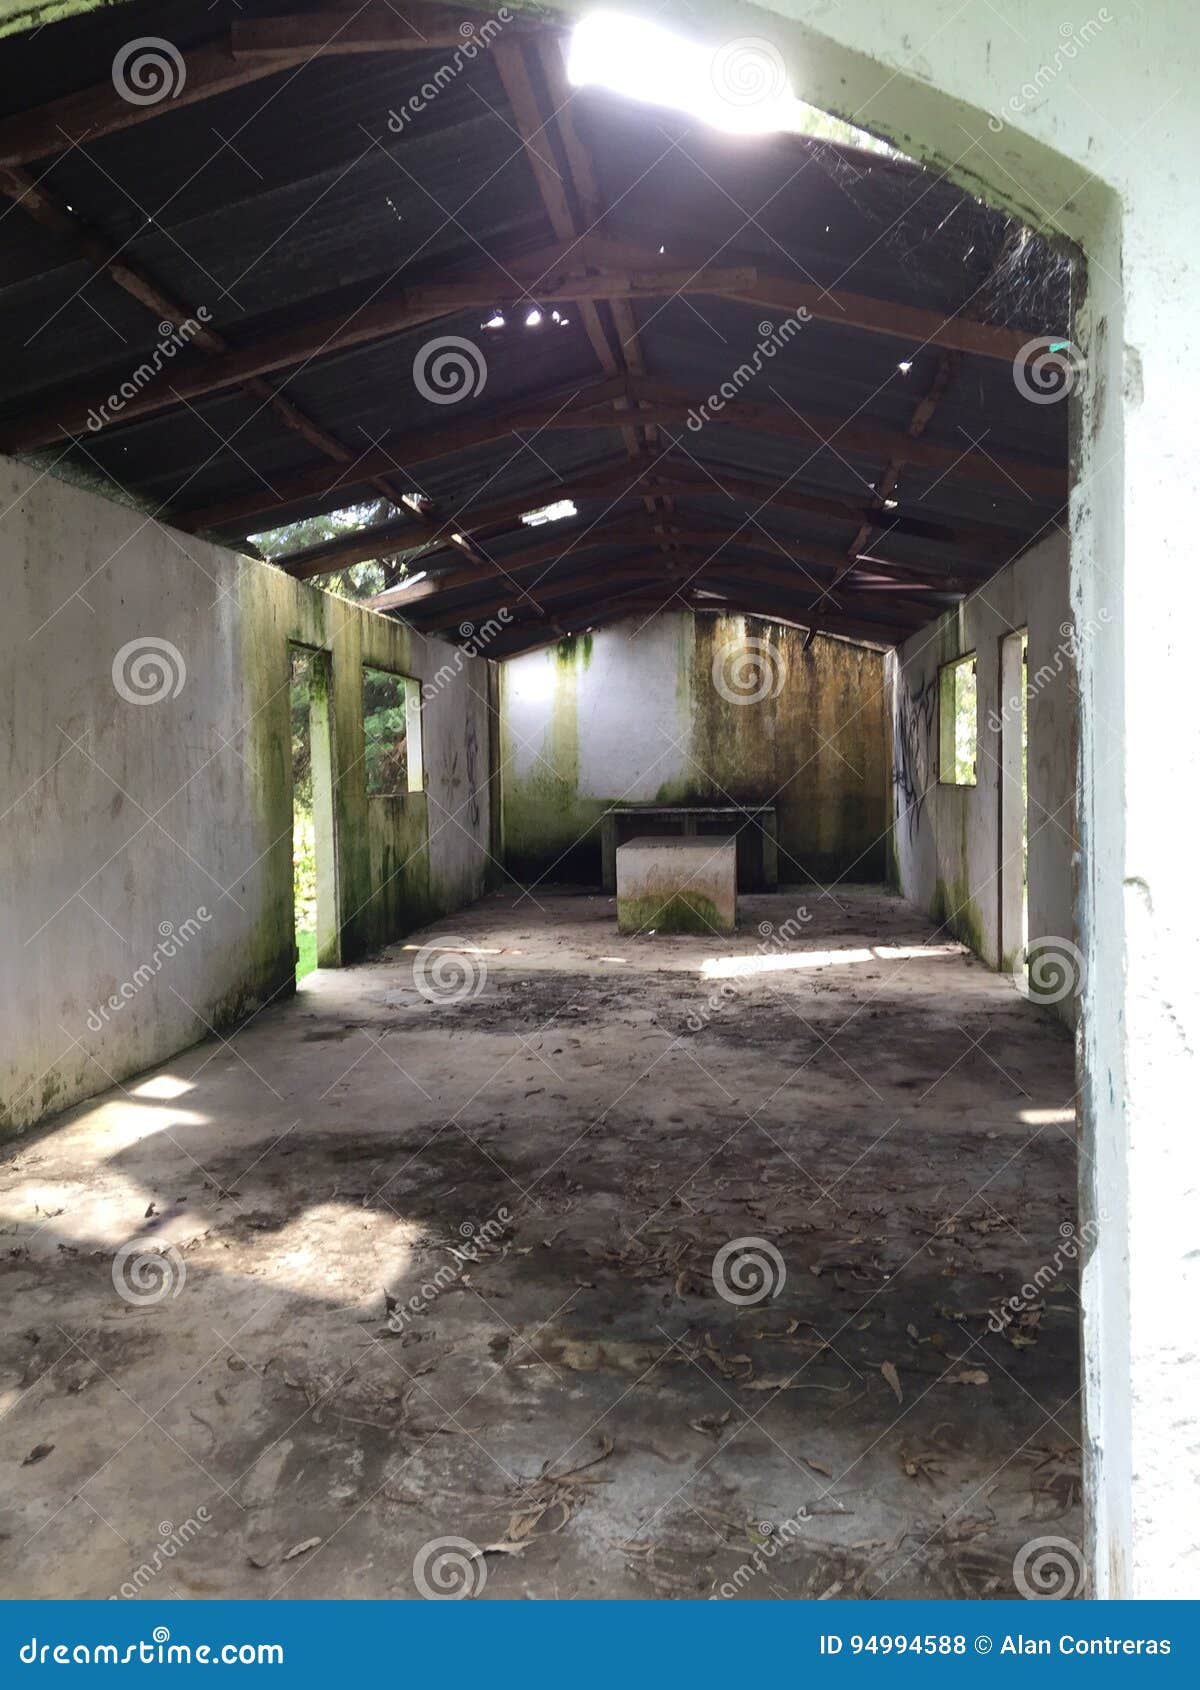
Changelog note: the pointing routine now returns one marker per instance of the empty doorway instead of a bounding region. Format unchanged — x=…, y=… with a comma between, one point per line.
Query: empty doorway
x=314, y=882
x=1013, y=727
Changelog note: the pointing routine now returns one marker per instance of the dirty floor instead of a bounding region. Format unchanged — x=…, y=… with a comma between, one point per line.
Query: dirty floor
x=437, y=1250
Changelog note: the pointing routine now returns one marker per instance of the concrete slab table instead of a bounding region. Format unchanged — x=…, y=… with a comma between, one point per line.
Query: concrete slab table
x=677, y=885
x=756, y=823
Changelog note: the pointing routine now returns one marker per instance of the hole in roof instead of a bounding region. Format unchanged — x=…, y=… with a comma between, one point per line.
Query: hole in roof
x=739, y=86
x=549, y=513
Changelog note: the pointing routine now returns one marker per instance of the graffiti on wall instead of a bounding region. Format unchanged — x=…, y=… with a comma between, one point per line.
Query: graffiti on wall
x=916, y=718
x=461, y=781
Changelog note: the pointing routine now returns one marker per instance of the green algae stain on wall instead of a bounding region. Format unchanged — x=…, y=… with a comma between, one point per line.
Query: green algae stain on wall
x=749, y=715
x=545, y=819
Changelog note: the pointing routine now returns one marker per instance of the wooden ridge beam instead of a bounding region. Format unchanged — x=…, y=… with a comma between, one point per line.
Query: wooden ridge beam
x=628, y=354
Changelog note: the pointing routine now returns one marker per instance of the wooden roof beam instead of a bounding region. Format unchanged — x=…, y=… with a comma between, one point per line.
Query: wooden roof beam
x=52, y=213
x=67, y=415
x=811, y=430
x=249, y=51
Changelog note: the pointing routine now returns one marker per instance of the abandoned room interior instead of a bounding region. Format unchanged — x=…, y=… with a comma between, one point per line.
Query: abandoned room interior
x=545, y=989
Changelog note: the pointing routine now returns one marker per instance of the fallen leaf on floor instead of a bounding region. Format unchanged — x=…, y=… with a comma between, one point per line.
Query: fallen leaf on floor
x=969, y=1376
x=301, y=1548
x=888, y=1370
x=39, y=1452
x=922, y=1466
x=711, y=1423
x=817, y=1466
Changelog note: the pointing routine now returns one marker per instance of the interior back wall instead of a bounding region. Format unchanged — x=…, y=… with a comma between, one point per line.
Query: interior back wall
x=696, y=708
x=146, y=840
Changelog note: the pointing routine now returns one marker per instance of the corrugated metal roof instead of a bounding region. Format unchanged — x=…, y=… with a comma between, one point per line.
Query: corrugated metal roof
x=292, y=199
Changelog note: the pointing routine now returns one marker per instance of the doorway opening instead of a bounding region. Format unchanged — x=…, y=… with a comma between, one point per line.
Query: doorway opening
x=313, y=879
x=1014, y=805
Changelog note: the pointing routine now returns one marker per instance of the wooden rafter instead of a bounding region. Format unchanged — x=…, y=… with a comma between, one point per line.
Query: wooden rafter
x=886, y=486
x=598, y=607
x=813, y=431
x=367, y=29
x=415, y=306
x=657, y=474
x=812, y=565
x=497, y=583
x=45, y=208
x=249, y=51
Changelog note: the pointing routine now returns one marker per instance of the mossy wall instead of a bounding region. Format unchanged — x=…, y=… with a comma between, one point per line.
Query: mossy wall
x=703, y=709
x=947, y=838
x=123, y=818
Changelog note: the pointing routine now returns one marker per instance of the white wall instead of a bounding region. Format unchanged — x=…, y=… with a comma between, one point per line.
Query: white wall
x=121, y=821
x=947, y=841
x=680, y=708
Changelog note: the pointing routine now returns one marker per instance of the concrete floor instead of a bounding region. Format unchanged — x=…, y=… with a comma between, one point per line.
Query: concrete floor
x=591, y=1123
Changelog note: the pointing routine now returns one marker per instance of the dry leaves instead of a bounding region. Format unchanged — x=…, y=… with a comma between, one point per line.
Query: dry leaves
x=888, y=1370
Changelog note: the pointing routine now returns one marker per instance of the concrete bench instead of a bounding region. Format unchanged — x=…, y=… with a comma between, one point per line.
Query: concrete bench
x=677, y=885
